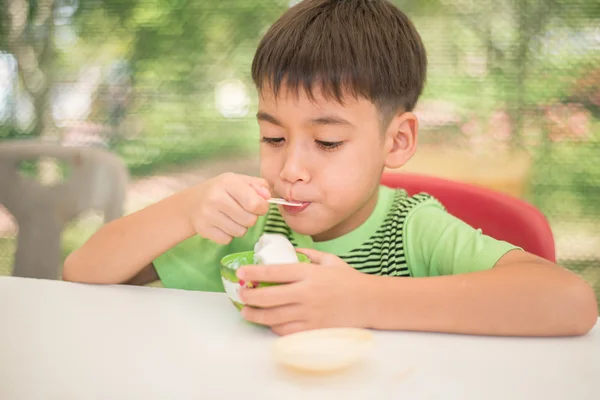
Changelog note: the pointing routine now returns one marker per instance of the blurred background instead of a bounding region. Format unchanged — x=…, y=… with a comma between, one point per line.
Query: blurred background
x=512, y=100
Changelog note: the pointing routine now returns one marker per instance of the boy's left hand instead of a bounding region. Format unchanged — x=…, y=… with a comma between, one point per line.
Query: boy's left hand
x=325, y=293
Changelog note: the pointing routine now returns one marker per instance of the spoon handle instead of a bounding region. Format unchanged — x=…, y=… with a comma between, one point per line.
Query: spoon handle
x=283, y=202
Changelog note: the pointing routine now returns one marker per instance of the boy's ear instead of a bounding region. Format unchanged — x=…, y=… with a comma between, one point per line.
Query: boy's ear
x=401, y=139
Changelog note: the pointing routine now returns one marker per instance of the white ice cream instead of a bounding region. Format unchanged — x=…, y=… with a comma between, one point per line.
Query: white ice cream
x=274, y=249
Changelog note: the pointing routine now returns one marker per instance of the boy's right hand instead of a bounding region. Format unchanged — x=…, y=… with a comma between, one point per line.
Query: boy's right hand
x=226, y=206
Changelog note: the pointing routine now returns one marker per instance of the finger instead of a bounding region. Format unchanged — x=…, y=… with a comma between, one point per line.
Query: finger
x=289, y=328
x=237, y=213
x=251, y=193
x=262, y=190
x=271, y=296
x=318, y=257
x=227, y=225
x=273, y=316
x=258, y=182
x=247, y=197
x=216, y=235
x=285, y=273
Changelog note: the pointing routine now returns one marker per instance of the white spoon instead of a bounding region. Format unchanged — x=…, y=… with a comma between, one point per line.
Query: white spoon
x=283, y=202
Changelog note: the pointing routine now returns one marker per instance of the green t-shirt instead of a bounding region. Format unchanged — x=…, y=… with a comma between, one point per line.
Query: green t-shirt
x=404, y=236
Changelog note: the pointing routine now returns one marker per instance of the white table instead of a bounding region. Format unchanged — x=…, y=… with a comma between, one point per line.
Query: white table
x=61, y=340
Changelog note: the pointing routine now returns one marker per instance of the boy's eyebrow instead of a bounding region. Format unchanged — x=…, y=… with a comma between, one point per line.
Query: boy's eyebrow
x=330, y=120
x=325, y=120
x=263, y=116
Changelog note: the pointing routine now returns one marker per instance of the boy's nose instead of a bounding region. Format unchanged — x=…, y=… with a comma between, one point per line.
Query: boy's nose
x=294, y=168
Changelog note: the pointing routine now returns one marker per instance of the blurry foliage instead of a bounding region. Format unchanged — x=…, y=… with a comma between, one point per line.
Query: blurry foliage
x=177, y=51
x=169, y=55
x=26, y=32
x=586, y=89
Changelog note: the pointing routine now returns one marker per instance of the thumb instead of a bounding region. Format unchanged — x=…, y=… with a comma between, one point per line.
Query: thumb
x=318, y=257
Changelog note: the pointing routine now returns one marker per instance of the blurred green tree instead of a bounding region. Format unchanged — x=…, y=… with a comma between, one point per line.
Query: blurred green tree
x=26, y=32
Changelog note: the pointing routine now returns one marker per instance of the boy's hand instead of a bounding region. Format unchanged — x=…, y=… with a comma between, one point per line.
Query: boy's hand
x=226, y=206
x=325, y=293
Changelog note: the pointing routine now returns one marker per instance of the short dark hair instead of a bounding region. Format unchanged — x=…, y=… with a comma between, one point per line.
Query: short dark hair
x=366, y=48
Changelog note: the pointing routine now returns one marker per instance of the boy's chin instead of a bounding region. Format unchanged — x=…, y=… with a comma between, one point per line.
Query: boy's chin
x=306, y=226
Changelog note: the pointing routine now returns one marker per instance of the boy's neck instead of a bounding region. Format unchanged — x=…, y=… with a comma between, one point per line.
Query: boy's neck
x=352, y=222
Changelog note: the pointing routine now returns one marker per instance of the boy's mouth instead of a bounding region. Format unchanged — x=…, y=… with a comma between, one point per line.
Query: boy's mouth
x=293, y=210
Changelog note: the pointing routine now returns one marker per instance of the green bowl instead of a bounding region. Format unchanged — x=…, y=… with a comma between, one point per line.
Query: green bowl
x=229, y=266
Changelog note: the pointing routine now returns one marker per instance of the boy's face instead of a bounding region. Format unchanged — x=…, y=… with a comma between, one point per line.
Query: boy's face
x=326, y=155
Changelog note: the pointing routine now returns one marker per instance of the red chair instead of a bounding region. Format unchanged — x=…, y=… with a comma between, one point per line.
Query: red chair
x=498, y=215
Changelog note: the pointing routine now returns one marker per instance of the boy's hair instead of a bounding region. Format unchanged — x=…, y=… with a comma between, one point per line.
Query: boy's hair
x=366, y=48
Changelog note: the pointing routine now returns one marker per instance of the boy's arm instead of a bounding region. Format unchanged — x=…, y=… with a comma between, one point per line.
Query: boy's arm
x=523, y=295
x=147, y=275
x=462, y=282
x=468, y=282
x=217, y=210
x=121, y=249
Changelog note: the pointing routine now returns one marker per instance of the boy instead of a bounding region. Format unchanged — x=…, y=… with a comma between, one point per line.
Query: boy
x=337, y=81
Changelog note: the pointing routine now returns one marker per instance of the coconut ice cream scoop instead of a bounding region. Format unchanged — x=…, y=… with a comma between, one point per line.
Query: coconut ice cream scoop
x=273, y=248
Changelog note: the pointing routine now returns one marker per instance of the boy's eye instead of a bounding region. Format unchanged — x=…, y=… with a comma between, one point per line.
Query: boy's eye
x=328, y=145
x=272, y=141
